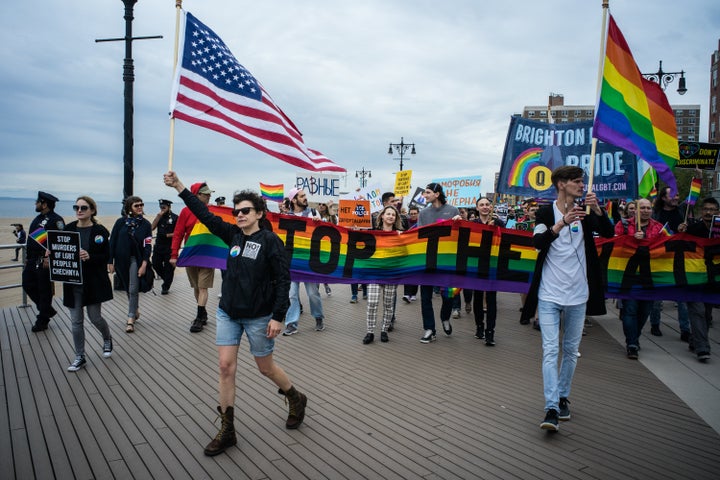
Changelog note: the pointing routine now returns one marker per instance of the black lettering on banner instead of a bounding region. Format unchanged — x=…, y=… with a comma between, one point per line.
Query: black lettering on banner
x=291, y=226
x=433, y=234
x=316, y=264
x=712, y=252
x=465, y=251
x=679, y=247
x=637, y=271
x=367, y=240
x=506, y=254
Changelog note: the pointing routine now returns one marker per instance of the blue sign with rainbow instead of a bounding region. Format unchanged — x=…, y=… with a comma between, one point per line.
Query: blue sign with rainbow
x=534, y=149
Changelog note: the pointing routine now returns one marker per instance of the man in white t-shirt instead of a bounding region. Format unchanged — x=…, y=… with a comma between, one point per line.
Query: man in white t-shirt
x=567, y=283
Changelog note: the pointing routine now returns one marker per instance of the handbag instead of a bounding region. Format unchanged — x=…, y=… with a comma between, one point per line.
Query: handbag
x=147, y=280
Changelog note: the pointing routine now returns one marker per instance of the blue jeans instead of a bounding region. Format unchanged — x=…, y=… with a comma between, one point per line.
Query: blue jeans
x=313, y=293
x=556, y=385
x=426, y=307
x=683, y=317
x=635, y=314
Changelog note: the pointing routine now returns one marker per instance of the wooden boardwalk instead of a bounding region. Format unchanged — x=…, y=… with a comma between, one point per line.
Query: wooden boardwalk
x=451, y=409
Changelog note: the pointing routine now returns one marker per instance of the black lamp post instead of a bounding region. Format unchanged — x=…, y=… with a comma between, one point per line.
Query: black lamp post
x=128, y=79
x=665, y=78
x=361, y=174
x=401, y=148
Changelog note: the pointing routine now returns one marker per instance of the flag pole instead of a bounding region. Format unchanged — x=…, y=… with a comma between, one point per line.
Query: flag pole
x=171, y=149
x=601, y=61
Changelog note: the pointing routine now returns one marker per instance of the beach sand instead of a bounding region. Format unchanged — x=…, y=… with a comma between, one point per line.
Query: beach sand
x=11, y=276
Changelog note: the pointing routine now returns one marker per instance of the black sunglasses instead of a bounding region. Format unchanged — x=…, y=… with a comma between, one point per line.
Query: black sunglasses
x=137, y=205
x=82, y=208
x=244, y=210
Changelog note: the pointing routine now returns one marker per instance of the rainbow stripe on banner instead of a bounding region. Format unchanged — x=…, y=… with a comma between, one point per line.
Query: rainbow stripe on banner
x=694, y=194
x=202, y=248
x=273, y=193
x=40, y=236
x=478, y=257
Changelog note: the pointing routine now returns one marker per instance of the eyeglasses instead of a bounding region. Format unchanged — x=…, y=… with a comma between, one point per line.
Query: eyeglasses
x=244, y=210
x=82, y=208
x=710, y=209
x=138, y=205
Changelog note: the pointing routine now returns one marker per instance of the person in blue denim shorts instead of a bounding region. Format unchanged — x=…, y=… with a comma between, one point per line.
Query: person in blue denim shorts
x=255, y=298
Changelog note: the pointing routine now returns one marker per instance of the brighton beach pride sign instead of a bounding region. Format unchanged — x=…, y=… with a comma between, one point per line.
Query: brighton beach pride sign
x=534, y=149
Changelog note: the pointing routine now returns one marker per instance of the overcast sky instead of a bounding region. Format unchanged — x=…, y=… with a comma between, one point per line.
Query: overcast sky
x=353, y=76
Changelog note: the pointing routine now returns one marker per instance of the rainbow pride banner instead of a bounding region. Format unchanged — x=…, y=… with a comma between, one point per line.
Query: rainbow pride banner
x=273, y=193
x=483, y=257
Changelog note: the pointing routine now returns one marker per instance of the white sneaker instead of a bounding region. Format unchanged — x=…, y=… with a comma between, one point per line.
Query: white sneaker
x=456, y=313
x=428, y=337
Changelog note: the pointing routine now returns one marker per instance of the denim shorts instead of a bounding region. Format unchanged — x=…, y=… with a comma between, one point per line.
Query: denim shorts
x=229, y=331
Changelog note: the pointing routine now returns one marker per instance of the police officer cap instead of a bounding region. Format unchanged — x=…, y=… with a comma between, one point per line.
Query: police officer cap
x=220, y=199
x=46, y=197
x=164, y=202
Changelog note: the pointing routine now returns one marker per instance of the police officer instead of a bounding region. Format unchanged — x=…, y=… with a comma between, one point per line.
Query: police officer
x=220, y=201
x=165, y=222
x=36, y=273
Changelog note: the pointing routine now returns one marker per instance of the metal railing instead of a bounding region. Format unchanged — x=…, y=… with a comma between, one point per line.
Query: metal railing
x=19, y=265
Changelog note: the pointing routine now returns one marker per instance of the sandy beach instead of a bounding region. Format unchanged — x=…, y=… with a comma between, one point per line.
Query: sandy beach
x=10, y=276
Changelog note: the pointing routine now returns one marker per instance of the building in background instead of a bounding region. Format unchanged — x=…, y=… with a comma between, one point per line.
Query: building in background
x=687, y=117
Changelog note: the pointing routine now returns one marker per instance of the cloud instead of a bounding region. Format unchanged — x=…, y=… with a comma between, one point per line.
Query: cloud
x=353, y=76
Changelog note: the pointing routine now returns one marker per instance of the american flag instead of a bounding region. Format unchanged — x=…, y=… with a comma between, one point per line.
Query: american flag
x=214, y=91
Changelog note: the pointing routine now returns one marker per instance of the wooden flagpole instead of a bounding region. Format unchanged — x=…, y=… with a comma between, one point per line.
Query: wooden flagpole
x=178, y=13
x=601, y=62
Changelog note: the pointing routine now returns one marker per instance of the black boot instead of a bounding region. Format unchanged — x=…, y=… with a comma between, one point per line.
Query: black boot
x=226, y=436
x=479, y=330
x=296, y=402
x=202, y=315
x=490, y=338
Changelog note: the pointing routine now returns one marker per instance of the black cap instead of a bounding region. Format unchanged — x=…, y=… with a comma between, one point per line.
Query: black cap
x=220, y=199
x=164, y=202
x=46, y=197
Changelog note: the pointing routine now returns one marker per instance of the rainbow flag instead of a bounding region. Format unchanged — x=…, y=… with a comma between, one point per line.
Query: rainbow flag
x=202, y=248
x=450, y=292
x=665, y=230
x=694, y=193
x=632, y=112
x=273, y=193
x=40, y=236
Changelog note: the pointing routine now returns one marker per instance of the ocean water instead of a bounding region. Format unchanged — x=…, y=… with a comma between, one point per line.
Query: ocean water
x=25, y=208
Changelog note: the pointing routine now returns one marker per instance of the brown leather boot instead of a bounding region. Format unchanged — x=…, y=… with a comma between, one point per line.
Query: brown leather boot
x=296, y=402
x=226, y=436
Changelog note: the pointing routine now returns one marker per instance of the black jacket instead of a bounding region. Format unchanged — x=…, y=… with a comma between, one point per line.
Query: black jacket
x=130, y=237
x=49, y=221
x=257, y=276
x=542, y=241
x=96, y=283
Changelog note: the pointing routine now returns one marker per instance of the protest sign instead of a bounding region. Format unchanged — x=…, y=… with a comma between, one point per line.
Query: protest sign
x=64, y=258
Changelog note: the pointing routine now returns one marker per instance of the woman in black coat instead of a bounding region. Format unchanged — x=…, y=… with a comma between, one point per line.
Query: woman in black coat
x=130, y=249
x=95, y=289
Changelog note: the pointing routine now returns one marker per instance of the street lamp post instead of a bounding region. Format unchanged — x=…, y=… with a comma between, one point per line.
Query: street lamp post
x=361, y=174
x=401, y=148
x=128, y=79
x=666, y=78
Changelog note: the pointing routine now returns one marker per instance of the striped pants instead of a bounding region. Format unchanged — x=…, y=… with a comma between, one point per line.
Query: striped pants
x=388, y=295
